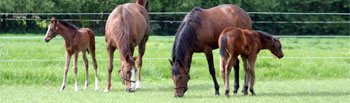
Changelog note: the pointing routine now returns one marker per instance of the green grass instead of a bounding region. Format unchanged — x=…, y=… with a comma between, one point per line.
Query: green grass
x=307, y=91
x=277, y=79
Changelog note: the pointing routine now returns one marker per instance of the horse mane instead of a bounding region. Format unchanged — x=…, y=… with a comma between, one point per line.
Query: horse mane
x=69, y=25
x=265, y=34
x=185, y=37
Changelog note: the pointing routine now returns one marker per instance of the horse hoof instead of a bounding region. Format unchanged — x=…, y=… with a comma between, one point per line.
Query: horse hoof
x=96, y=88
x=235, y=92
x=138, y=84
x=227, y=95
x=245, y=93
x=85, y=88
x=253, y=94
x=106, y=90
x=76, y=89
x=62, y=88
x=216, y=95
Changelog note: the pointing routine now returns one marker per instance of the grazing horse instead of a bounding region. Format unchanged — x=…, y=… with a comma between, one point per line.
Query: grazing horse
x=75, y=40
x=235, y=41
x=127, y=27
x=199, y=32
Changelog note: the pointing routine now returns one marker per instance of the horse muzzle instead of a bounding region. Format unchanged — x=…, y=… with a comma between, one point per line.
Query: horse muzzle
x=280, y=56
x=47, y=40
x=179, y=95
x=129, y=89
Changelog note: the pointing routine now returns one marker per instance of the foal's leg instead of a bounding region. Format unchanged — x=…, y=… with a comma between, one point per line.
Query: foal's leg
x=76, y=70
x=94, y=63
x=209, y=55
x=246, y=77
x=252, y=74
x=68, y=57
x=110, y=51
x=86, y=64
x=236, y=70
x=231, y=62
x=223, y=60
x=142, y=48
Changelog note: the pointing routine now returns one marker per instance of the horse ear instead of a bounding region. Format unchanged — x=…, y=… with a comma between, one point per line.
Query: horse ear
x=144, y=3
x=171, y=62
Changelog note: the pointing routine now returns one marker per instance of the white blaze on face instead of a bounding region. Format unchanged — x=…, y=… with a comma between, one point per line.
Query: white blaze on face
x=48, y=29
x=132, y=77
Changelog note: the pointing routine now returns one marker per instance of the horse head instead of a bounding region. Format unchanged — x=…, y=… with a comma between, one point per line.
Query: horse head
x=276, y=48
x=127, y=73
x=180, y=76
x=52, y=30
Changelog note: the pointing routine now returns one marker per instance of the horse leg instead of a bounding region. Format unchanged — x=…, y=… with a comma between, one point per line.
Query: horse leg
x=86, y=69
x=236, y=70
x=223, y=60
x=252, y=74
x=209, y=55
x=76, y=70
x=92, y=51
x=142, y=48
x=246, y=77
x=68, y=57
x=231, y=62
x=110, y=51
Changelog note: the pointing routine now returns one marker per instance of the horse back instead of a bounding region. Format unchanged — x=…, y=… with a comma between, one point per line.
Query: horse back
x=216, y=19
x=128, y=21
x=243, y=41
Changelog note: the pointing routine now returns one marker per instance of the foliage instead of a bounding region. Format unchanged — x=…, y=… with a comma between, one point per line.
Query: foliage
x=162, y=28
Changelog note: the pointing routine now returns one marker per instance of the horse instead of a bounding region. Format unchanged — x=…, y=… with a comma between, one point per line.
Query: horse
x=199, y=32
x=127, y=27
x=235, y=41
x=75, y=40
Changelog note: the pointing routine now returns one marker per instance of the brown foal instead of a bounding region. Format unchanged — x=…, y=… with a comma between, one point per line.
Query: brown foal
x=76, y=40
x=235, y=41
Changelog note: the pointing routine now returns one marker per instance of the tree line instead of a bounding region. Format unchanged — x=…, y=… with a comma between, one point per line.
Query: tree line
x=289, y=27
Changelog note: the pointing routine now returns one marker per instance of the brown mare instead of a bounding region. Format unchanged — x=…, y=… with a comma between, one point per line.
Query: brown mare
x=247, y=43
x=127, y=27
x=75, y=40
x=199, y=32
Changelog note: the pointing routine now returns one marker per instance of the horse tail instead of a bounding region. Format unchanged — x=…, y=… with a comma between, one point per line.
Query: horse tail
x=92, y=49
x=92, y=41
x=223, y=44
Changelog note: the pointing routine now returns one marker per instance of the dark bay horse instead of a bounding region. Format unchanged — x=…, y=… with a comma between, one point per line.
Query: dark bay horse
x=199, y=32
x=247, y=43
x=127, y=27
x=75, y=40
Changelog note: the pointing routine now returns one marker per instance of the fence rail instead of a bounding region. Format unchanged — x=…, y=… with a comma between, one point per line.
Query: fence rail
x=29, y=60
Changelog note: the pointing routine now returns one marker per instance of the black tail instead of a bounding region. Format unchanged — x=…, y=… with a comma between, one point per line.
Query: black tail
x=223, y=44
x=88, y=50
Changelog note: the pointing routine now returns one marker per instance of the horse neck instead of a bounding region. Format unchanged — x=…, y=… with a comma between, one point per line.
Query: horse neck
x=265, y=42
x=66, y=33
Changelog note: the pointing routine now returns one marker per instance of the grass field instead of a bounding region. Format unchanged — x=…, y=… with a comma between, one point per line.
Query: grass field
x=32, y=71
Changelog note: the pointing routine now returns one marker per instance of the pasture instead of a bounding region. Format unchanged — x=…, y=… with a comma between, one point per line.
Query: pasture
x=312, y=70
